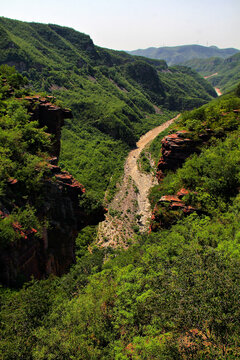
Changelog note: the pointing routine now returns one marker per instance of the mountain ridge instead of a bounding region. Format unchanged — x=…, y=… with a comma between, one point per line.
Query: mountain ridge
x=174, y=55
x=226, y=71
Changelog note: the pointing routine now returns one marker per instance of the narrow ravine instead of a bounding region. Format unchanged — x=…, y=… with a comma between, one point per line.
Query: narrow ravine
x=218, y=91
x=129, y=212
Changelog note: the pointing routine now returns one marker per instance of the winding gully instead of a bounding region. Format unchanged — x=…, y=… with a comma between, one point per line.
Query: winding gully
x=129, y=212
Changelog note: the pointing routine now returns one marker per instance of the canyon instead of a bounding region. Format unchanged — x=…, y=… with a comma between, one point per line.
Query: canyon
x=130, y=209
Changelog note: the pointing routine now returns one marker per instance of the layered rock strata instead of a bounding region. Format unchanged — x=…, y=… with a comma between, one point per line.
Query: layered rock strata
x=176, y=148
x=52, y=251
x=169, y=209
x=49, y=115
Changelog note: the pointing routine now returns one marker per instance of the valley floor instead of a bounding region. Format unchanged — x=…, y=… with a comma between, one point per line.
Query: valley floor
x=129, y=212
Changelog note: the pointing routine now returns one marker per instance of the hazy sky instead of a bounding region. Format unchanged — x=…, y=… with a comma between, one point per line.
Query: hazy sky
x=133, y=24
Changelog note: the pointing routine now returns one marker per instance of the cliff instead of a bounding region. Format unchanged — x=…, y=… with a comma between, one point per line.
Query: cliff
x=49, y=115
x=177, y=147
x=51, y=251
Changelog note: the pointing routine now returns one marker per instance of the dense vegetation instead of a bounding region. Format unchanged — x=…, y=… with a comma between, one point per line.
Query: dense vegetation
x=23, y=148
x=114, y=97
x=213, y=175
x=227, y=72
x=174, y=55
x=173, y=294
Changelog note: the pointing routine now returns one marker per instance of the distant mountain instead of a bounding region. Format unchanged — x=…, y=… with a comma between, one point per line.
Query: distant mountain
x=178, y=54
x=221, y=73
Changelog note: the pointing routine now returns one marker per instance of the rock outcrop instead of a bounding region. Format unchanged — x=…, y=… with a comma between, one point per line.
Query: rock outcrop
x=50, y=115
x=51, y=251
x=169, y=209
x=177, y=147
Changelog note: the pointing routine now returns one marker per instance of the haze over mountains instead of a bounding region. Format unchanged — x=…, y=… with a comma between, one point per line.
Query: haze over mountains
x=221, y=67
x=221, y=73
x=179, y=54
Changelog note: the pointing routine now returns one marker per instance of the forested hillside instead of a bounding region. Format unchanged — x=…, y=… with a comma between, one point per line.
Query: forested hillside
x=225, y=72
x=114, y=97
x=174, y=294
x=42, y=207
x=174, y=55
x=23, y=149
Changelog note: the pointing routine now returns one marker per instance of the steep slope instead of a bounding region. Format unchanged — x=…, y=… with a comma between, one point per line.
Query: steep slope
x=204, y=144
x=40, y=213
x=178, y=54
x=174, y=293
x=225, y=73
x=114, y=96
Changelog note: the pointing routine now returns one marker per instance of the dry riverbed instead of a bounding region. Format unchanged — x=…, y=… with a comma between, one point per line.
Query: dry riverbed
x=129, y=212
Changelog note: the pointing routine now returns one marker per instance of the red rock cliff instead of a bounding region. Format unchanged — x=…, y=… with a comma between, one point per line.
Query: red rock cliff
x=176, y=148
x=53, y=251
x=49, y=115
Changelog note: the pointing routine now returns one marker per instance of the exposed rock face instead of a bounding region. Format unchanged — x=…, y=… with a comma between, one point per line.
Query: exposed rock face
x=176, y=148
x=52, y=251
x=49, y=115
x=61, y=207
x=169, y=209
x=22, y=258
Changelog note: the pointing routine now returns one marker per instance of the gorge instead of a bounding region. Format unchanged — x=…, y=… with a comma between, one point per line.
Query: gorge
x=119, y=219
